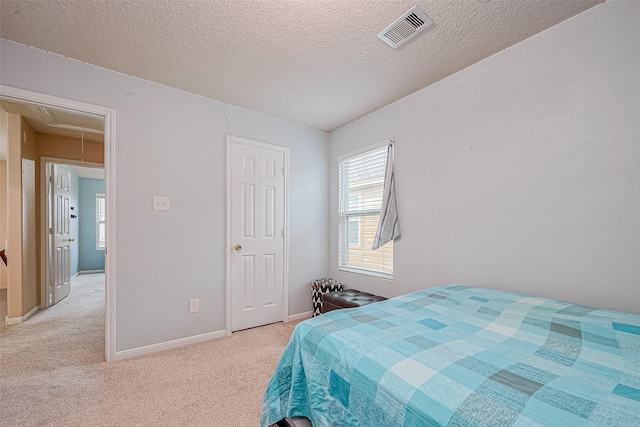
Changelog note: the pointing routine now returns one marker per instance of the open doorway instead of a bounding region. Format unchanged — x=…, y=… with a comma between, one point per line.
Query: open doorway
x=74, y=225
x=79, y=150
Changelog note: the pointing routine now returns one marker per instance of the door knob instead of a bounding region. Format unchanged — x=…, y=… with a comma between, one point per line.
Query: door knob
x=238, y=246
x=71, y=240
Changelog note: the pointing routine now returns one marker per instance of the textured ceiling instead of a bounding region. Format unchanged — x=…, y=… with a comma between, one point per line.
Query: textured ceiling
x=317, y=63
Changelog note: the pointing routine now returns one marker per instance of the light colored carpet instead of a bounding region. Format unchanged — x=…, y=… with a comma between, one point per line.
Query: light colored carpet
x=52, y=372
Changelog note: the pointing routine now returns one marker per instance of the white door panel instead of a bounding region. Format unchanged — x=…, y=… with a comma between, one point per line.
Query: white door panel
x=61, y=235
x=257, y=235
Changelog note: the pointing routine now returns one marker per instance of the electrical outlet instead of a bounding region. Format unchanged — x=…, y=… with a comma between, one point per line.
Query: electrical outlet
x=160, y=203
x=194, y=305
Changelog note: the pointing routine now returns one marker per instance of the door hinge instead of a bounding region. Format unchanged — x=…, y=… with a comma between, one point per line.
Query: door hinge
x=51, y=231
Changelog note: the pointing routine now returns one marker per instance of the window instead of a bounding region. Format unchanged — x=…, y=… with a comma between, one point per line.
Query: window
x=353, y=231
x=353, y=223
x=100, y=221
x=361, y=180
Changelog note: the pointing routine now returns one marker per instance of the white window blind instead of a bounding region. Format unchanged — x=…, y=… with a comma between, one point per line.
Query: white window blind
x=361, y=180
x=100, y=221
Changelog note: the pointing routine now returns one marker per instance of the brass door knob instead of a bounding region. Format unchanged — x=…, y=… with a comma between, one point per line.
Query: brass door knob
x=71, y=240
x=238, y=246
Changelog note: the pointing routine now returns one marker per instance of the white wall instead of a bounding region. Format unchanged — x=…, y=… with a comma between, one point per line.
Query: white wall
x=172, y=143
x=521, y=172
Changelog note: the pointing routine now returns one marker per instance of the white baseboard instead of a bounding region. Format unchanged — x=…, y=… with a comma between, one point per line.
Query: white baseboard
x=125, y=354
x=16, y=320
x=71, y=278
x=300, y=316
x=148, y=349
x=90, y=271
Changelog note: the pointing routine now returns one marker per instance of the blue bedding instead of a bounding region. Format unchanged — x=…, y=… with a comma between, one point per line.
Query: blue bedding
x=461, y=356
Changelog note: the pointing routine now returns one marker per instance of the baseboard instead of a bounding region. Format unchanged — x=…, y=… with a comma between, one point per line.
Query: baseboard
x=90, y=271
x=148, y=349
x=71, y=278
x=16, y=320
x=300, y=316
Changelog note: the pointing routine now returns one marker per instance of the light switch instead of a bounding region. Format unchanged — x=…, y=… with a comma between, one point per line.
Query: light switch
x=194, y=305
x=160, y=203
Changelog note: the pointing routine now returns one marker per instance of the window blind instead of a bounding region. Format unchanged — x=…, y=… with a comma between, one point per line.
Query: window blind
x=361, y=184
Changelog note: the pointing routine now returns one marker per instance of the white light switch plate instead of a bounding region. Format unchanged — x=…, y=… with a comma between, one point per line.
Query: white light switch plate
x=194, y=305
x=160, y=203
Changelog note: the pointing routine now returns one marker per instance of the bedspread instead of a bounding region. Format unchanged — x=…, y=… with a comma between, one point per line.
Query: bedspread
x=461, y=356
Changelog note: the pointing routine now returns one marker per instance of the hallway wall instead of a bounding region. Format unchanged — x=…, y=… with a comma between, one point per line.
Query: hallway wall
x=91, y=259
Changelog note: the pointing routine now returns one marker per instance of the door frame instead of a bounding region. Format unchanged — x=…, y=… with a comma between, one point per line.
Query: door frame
x=46, y=210
x=75, y=107
x=231, y=140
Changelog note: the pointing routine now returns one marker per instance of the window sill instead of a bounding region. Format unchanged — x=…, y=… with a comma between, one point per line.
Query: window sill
x=364, y=272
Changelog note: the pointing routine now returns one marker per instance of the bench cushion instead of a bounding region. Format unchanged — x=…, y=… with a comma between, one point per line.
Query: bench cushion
x=347, y=298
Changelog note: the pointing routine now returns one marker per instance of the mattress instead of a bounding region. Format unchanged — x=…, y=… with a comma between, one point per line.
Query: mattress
x=461, y=356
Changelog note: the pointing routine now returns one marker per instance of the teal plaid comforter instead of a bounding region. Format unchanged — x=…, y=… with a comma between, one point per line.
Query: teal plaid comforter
x=461, y=356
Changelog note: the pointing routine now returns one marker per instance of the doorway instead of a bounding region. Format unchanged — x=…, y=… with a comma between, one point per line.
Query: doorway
x=107, y=116
x=257, y=223
x=73, y=224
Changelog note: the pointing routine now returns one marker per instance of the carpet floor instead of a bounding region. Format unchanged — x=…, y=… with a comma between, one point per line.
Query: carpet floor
x=52, y=372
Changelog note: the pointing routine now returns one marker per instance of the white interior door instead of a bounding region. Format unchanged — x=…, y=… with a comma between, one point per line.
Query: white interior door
x=61, y=216
x=257, y=220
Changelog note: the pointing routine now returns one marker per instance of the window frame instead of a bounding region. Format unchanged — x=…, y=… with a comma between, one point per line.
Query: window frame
x=99, y=197
x=343, y=217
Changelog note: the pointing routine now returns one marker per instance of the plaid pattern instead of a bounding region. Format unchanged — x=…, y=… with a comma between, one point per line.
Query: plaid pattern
x=461, y=356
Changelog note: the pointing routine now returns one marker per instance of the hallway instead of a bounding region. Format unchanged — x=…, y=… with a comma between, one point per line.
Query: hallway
x=54, y=348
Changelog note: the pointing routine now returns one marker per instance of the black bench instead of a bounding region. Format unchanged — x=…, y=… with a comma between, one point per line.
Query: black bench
x=347, y=299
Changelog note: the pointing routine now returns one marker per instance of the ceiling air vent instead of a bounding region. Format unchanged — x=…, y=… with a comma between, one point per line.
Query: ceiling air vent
x=405, y=28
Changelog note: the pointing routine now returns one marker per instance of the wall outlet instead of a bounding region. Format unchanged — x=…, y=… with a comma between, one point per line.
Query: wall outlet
x=194, y=305
x=160, y=203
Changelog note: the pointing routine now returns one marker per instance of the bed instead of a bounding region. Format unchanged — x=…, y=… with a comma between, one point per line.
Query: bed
x=461, y=356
